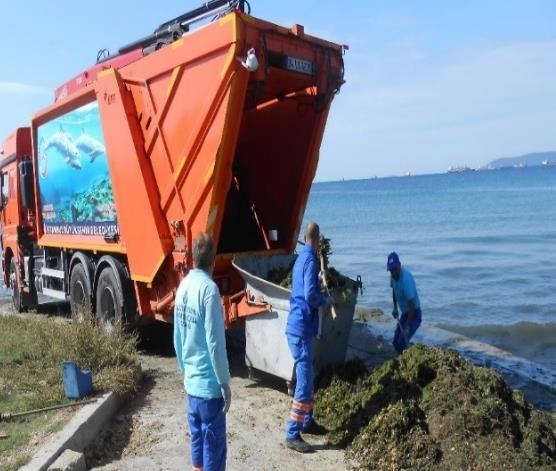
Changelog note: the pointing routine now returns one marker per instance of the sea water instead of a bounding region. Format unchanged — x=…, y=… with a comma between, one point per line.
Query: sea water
x=481, y=246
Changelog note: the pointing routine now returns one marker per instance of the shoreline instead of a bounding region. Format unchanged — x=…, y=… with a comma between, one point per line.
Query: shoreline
x=372, y=333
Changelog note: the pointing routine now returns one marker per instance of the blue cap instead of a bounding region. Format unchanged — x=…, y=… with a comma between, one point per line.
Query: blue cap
x=393, y=261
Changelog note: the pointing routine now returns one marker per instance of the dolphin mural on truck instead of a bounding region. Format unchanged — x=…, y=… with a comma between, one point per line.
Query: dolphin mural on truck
x=75, y=194
x=63, y=143
x=89, y=145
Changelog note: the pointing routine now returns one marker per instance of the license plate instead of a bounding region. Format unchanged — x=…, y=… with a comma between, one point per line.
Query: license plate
x=299, y=65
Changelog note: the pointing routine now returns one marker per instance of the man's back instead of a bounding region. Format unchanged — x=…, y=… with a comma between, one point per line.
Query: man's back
x=405, y=290
x=305, y=298
x=199, y=337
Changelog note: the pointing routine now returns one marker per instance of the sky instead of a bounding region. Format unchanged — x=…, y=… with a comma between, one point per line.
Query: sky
x=429, y=84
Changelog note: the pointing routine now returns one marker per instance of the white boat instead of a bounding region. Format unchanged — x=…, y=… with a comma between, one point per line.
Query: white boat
x=461, y=169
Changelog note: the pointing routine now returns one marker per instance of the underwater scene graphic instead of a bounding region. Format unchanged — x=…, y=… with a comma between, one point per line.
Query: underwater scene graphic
x=74, y=181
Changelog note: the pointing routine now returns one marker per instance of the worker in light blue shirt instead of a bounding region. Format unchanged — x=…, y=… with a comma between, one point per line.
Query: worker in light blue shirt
x=200, y=344
x=404, y=295
x=301, y=327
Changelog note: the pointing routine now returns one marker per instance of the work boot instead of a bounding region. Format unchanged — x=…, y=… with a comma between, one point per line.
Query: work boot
x=298, y=444
x=315, y=429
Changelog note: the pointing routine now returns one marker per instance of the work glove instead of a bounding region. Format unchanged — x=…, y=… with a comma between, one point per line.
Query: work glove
x=395, y=313
x=329, y=300
x=321, y=277
x=227, y=396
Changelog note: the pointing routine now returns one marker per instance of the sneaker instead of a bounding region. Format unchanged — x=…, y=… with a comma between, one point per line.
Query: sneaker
x=298, y=444
x=315, y=429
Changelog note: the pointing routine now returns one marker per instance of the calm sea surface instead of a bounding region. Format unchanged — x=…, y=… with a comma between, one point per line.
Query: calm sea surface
x=481, y=246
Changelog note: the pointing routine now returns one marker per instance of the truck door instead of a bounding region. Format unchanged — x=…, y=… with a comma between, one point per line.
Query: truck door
x=9, y=218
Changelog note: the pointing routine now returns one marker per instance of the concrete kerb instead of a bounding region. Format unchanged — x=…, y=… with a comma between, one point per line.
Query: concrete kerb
x=77, y=434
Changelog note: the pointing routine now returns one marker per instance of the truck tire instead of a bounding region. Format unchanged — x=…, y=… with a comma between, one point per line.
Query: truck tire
x=80, y=292
x=16, y=297
x=109, y=305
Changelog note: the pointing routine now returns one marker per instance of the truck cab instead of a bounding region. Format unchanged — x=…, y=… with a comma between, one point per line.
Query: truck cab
x=17, y=217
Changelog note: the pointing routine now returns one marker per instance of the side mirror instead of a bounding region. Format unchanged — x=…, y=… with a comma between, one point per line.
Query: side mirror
x=27, y=189
x=2, y=199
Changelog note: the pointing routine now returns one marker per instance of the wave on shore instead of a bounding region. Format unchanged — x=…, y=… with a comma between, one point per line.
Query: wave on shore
x=530, y=340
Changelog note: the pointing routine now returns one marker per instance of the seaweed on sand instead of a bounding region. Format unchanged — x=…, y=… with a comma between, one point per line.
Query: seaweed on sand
x=430, y=409
x=350, y=372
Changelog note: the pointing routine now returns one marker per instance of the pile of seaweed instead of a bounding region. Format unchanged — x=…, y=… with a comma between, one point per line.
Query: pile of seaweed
x=431, y=409
x=281, y=276
x=337, y=283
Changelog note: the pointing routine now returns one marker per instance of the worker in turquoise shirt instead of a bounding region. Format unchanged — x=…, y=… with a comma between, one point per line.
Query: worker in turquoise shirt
x=200, y=344
x=404, y=295
x=301, y=327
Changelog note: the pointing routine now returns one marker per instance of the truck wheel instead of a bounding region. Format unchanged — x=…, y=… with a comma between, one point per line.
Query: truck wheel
x=80, y=291
x=16, y=298
x=109, y=300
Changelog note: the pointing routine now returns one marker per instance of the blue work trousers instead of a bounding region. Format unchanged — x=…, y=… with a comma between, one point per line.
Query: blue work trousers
x=301, y=412
x=207, y=423
x=399, y=342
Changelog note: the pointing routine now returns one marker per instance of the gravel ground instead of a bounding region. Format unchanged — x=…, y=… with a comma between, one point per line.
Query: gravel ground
x=151, y=431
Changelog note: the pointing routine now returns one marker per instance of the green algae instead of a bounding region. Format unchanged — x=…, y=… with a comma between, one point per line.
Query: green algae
x=349, y=372
x=430, y=409
x=339, y=286
x=281, y=276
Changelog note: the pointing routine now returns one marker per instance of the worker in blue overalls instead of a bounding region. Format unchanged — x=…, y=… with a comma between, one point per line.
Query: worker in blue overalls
x=302, y=327
x=404, y=295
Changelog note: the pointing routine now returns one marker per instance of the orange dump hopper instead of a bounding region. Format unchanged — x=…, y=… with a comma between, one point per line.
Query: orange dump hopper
x=218, y=131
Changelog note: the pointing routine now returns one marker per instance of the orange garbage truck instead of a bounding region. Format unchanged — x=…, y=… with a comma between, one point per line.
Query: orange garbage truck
x=215, y=128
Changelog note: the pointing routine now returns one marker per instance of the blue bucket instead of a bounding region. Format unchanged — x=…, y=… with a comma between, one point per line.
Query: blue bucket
x=77, y=382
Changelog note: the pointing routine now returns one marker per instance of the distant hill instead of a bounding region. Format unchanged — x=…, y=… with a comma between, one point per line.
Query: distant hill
x=526, y=160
